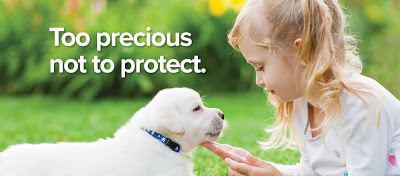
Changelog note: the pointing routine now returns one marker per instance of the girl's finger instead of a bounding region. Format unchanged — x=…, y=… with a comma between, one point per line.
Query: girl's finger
x=215, y=144
x=254, y=161
x=232, y=172
x=221, y=152
x=241, y=152
x=241, y=168
x=216, y=149
x=227, y=146
x=209, y=145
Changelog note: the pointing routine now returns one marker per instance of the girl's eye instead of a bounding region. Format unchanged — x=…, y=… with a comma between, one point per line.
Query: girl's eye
x=260, y=69
x=197, y=108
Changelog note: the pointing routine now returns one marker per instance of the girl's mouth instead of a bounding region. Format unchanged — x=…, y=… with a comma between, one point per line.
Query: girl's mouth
x=271, y=92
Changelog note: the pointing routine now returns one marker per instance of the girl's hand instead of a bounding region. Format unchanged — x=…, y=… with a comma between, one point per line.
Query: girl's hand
x=240, y=162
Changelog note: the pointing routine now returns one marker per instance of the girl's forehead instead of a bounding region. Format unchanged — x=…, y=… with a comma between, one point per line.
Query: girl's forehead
x=251, y=51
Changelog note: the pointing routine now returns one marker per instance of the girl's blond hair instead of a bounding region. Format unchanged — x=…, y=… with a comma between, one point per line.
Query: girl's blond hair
x=326, y=51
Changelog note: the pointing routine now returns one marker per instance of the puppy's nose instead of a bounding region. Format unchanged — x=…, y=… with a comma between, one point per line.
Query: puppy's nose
x=221, y=115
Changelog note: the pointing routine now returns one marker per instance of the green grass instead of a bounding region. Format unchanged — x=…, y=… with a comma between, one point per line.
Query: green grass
x=48, y=119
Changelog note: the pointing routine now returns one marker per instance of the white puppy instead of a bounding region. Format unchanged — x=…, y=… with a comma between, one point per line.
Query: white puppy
x=139, y=148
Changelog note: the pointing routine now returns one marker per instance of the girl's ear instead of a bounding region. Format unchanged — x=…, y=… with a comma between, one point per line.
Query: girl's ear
x=297, y=43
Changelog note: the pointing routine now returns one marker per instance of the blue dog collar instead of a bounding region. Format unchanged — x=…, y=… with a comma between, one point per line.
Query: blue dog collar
x=166, y=141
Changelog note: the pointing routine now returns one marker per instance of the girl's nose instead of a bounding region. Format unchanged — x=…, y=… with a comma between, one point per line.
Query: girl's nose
x=259, y=81
x=260, y=84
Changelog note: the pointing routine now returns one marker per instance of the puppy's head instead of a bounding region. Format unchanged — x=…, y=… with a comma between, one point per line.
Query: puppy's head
x=179, y=114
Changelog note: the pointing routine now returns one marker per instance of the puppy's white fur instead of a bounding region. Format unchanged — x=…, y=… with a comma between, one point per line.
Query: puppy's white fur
x=131, y=151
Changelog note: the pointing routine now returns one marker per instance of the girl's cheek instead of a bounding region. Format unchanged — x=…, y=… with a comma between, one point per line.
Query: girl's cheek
x=269, y=79
x=278, y=80
x=272, y=74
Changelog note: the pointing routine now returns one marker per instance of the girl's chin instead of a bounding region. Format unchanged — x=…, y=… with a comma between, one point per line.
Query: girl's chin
x=281, y=99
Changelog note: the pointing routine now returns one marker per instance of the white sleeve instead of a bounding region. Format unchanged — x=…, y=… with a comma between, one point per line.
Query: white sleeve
x=300, y=169
x=365, y=140
x=290, y=170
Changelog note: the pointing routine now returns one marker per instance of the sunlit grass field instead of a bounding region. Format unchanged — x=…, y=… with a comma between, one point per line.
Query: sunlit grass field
x=48, y=119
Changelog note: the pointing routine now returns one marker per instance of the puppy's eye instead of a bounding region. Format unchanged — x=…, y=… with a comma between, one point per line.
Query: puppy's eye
x=197, y=108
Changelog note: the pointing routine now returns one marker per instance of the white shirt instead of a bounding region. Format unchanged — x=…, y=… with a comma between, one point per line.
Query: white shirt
x=351, y=146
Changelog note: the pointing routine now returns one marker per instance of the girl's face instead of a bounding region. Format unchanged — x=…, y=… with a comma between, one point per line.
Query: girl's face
x=278, y=73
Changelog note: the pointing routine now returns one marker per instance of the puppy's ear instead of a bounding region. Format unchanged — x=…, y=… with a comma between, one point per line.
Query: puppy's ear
x=171, y=129
x=172, y=124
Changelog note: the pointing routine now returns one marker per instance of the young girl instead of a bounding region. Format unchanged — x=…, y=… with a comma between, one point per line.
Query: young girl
x=343, y=123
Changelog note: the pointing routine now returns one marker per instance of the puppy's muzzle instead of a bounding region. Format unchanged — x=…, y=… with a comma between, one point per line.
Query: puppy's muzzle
x=217, y=124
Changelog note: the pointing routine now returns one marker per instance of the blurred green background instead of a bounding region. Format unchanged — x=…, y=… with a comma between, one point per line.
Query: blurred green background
x=26, y=45
x=36, y=106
